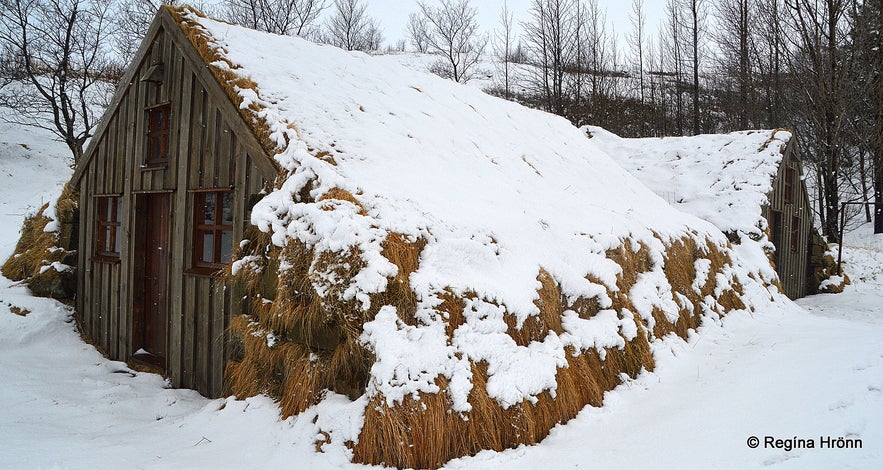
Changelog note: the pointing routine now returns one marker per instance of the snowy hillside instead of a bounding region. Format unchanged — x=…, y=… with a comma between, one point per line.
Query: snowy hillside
x=33, y=169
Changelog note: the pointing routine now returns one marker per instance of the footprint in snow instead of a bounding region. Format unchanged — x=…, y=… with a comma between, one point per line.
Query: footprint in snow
x=840, y=405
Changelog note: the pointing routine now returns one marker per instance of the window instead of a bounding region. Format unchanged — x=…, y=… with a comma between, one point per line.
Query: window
x=795, y=232
x=107, y=240
x=213, y=232
x=789, y=185
x=158, y=136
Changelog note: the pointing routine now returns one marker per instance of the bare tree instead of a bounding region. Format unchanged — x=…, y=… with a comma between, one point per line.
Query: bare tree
x=735, y=41
x=818, y=30
x=695, y=16
x=61, y=46
x=505, y=37
x=550, y=35
x=769, y=58
x=291, y=17
x=350, y=27
x=132, y=18
x=417, y=32
x=672, y=46
x=451, y=31
x=636, y=41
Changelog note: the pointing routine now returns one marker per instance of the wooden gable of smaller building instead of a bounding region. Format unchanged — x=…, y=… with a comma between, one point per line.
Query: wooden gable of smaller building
x=790, y=222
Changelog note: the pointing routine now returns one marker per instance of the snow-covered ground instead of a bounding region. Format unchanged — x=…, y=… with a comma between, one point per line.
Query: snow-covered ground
x=801, y=371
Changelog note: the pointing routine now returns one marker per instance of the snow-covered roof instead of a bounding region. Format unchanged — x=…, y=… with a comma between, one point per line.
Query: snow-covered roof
x=722, y=178
x=497, y=189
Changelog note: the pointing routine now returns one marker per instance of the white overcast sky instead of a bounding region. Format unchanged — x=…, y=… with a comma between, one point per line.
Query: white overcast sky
x=393, y=15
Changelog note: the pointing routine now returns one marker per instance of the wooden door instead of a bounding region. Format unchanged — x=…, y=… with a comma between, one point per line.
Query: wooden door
x=152, y=265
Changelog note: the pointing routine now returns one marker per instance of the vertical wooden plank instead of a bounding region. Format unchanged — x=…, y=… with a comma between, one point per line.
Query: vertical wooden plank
x=214, y=154
x=173, y=77
x=167, y=59
x=102, y=305
x=116, y=156
x=218, y=357
x=179, y=229
x=203, y=321
x=208, y=156
x=191, y=305
x=225, y=155
x=138, y=134
x=100, y=169
x=94, y=329
x=82, y=236
x=112, y=311
x=127, y=253
x=196, y=136
x=84, y=272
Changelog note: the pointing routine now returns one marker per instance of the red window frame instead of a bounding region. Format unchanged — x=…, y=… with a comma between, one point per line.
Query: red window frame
x=107, y=228
x=789, y=185
x=213, y=229
x=158, y=130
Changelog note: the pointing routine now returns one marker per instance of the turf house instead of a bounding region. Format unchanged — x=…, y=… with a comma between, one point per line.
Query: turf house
x=749, y=184
x=430, y=270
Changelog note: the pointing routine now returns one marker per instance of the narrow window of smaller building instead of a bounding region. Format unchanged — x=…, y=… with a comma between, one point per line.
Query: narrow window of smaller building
x=789, y=185
x=213, y=229
x=107, y=228
x=795, y=233
x=158, y=125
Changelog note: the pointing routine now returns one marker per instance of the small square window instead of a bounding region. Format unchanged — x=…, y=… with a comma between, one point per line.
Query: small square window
x=213, y=229
x=107, y=227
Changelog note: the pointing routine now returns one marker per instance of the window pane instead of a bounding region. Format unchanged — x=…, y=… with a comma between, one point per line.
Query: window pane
x=227, y=216
x=226, y=245
x=116, y=239
x=209, y=209
x=119, y=209
x=107, y=208
x=105, y=243
x=208, y=247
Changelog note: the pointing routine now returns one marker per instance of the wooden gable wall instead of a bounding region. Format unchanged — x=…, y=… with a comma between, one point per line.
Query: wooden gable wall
x=791, y=265
x=211, y=148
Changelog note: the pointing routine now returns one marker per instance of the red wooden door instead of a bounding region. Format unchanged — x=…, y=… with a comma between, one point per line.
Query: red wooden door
x=152, y=264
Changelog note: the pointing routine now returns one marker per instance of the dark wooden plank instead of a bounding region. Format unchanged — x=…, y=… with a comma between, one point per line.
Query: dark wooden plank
x=80, y=311
x=101, y=168
x=167, y=59
x=84, y=271
x=138, y=133
x=208, y=156
x=226, y=156
x=179, y=227
x=113, y=311
x=119, y=154
x=173, y=85
x=219, y=323
x=188, y=338
x=196, y=136
x=203, y=341
x=102, y=305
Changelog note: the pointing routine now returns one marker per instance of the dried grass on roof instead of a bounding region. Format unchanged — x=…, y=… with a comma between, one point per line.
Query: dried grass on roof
x=289, y=349
x=37, y=249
